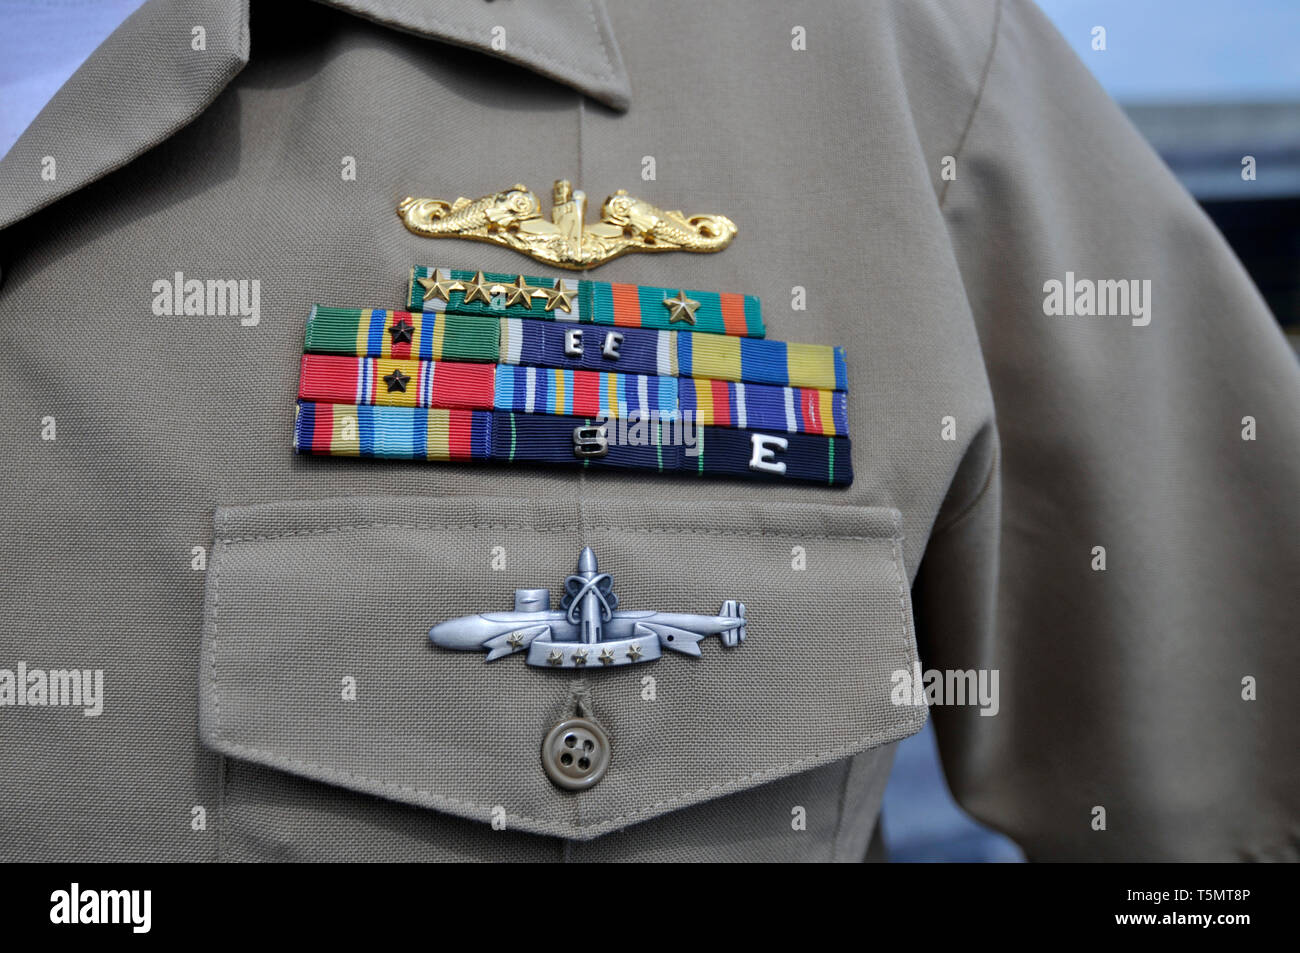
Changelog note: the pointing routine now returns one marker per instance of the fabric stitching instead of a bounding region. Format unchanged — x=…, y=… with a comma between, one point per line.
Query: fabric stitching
x=361, y=527
x=604, y=47
x=215, y=570
x=459, y=34
x=223, y=836
x=224, y=74
x=274, y=759
x=902, y=591
x=979, y=97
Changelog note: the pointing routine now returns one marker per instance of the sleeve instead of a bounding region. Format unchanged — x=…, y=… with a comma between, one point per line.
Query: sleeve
x=1131, y=567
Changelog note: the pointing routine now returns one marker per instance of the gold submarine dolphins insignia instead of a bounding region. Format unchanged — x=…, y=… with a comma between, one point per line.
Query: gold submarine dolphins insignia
x=513, y=218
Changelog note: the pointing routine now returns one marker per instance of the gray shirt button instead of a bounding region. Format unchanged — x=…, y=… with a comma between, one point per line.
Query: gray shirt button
x=575, y=753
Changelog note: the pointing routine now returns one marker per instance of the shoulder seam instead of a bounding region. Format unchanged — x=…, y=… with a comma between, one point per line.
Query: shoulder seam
x=979, y=95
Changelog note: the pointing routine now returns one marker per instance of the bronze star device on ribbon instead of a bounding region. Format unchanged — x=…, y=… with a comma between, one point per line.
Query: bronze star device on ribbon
x=513, y=218
x=529, y=370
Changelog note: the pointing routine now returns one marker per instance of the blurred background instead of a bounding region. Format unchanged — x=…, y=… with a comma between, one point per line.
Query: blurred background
x=1208, y=82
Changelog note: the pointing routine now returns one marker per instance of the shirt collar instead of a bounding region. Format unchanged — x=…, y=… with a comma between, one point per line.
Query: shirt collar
x=141, y=86
x=569, y=41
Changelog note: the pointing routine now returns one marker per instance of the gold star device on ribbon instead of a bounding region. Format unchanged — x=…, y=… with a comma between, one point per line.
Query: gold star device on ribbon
x=681, y=308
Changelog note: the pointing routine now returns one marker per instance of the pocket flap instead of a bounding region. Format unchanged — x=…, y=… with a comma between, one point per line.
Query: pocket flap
x=316, y=658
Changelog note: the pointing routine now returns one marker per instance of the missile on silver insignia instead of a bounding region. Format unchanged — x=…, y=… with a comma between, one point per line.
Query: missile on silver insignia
x=682, y=633
x=590, y=610
x=588, y=616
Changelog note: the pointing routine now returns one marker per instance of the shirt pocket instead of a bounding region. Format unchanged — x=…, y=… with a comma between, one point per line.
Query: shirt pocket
x=316, y=666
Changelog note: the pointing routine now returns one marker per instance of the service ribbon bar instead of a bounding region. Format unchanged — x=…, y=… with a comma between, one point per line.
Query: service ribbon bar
x=675, y=354
x=496, y=294
x=328, y=378
x=402, y=433
x=395, y=382
x=545, y=390
x=417, y=433
x=761, y=406
x=376, y=332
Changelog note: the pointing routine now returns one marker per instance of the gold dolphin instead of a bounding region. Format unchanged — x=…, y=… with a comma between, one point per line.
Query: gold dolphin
x=513, y=217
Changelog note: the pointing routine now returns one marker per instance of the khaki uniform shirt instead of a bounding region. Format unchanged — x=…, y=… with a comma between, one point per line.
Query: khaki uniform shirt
x=922, y=170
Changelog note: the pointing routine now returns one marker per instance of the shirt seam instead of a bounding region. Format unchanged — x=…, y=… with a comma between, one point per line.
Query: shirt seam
x=666, y=531
x=882, y=735
x=979, y=97
x=907, y=718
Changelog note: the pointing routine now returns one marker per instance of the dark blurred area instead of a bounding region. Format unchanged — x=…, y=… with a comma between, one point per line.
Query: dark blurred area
x=1205, y=145
x=1265, y=233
